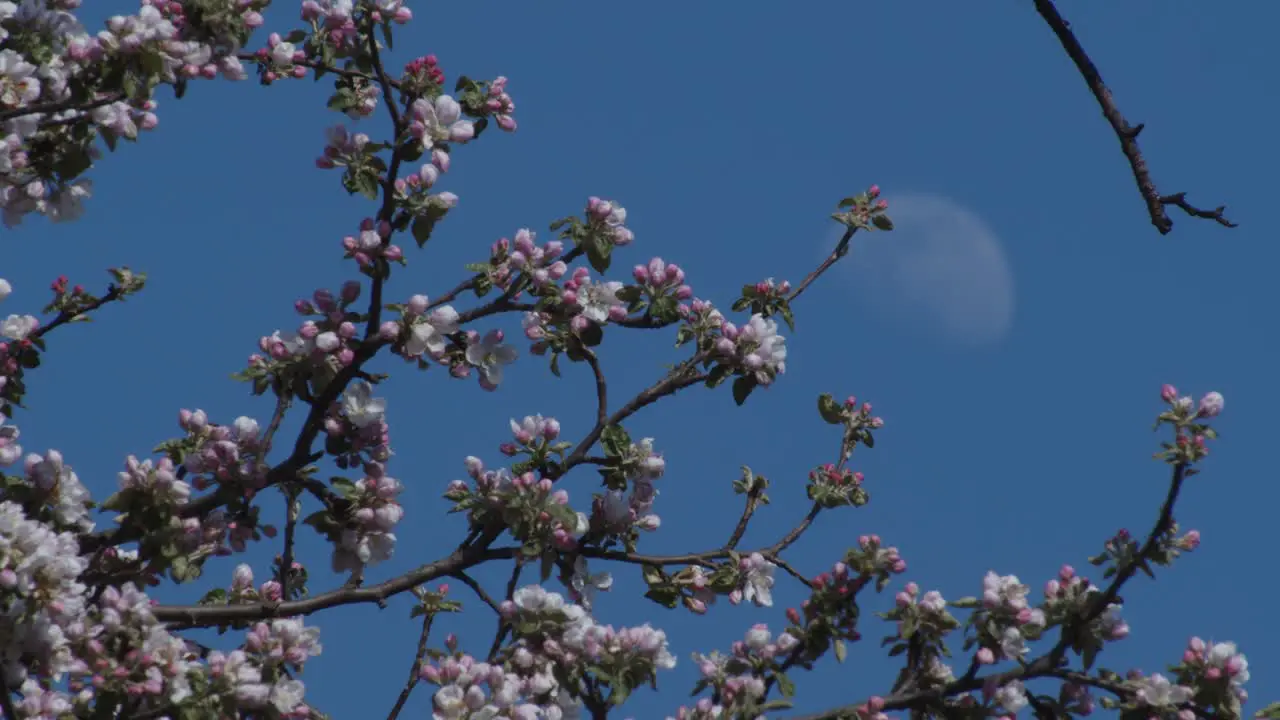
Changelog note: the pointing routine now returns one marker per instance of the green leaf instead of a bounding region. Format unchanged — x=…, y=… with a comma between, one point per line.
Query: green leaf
x=665, y=309
x=1088, y=657
x=386, y=35
x=965, y=603
x=785, y=685
x=615, y=440
x=841, y=650
x=663, y=596
x=591, y=335
x=784, y=309
x=345, y=487
x=718, y=375
x=742, y=388
x=598, y=250
x=422, y=227
x=630, y=293
x=830, y=410
x=882, y=222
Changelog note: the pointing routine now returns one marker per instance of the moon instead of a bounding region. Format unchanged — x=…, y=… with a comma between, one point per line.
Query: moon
x=941, y=271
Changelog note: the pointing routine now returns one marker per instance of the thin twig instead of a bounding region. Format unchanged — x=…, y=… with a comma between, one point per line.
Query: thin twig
x=753, y=501
x=602, y=388
x=839, y=252
x=479, y=591
x=503, y=627
x=416, y=669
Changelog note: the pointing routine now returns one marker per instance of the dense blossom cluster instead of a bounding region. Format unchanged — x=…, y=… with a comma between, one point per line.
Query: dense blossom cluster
x=51, y=63
x=557, y=646
x=111, y=643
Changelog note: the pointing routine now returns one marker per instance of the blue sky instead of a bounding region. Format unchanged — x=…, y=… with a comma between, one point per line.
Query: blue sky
x=1016, y=443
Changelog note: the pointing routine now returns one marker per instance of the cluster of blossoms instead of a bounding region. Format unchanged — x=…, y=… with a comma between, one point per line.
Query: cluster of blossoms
x=1006, y=619
x=357, y=427
x=701, y=320
x=531, y=508
x=1219, y=670
x=157, y=482
x=15, y=328
x=343, y=148
x=10, y=450
x=333, y=23
x=830, y=612
x=256, y=676
x=422, y=76
x=222, y=454
x=558, y=645
x=58, y=487
x=41, y=593
x=833, y=485
x=367, y=539
x=153, y=491
x=370, y=245
x=499, y=104
x=755, y=348
x=280, y=60
x=50, y=59
x=321, y=346
x=617, y=515
x=609, y=219
x=738, y=678
x=243, y=591
x=421, y=335
x=113, y=644
x=413, y=192
x=1065, y=595
x=509, y=257
x=592, y=301
x=661, y=279
x=756, y=578
x=439, y=120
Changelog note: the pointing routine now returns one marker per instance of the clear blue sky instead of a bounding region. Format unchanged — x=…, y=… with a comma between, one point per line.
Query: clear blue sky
x=729, y=131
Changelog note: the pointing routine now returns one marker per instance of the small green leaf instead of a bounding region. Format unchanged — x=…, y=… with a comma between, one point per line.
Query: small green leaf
x=785, y=685
x=742, y=388
x=841, y=650
x=422, y=227
x=829, y=409
x=882, y=222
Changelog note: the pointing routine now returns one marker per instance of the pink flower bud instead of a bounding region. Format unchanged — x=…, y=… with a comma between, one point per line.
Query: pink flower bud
x=1168, y=393
x=1211, y=405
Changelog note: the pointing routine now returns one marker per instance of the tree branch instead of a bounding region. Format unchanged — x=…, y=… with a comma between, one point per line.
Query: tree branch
x=191, y=616
x=1127, y=134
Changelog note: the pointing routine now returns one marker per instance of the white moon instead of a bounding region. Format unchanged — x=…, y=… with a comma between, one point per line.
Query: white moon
x=940, y=271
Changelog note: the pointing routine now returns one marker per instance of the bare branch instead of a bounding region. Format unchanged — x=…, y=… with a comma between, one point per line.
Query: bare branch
x=1127, y=134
